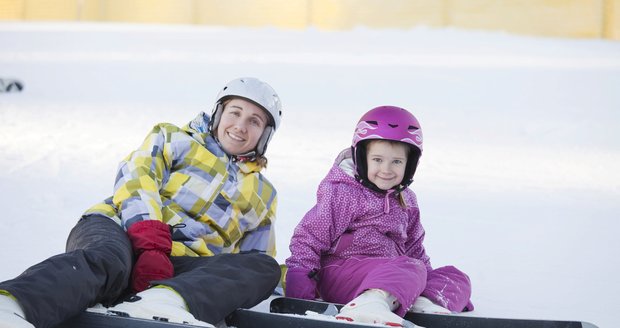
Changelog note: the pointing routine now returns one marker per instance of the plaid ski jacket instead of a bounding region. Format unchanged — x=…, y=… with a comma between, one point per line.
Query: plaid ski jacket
x=182, y=177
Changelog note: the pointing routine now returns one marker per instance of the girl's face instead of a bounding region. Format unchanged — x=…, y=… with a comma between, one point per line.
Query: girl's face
x=241, y=126
x=386, y=163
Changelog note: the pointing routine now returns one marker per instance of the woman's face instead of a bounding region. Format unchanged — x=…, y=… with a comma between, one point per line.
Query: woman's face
x=241, y=126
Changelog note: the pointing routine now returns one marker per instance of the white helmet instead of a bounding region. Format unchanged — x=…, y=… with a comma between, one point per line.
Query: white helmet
x=258, y=92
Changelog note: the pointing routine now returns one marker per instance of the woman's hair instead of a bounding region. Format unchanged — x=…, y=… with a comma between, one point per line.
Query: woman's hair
x=261, y=161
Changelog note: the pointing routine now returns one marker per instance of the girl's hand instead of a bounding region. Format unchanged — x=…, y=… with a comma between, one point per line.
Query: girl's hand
x=299, y=284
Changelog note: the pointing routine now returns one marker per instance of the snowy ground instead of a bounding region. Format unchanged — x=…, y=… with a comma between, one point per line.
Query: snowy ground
x=518, y=186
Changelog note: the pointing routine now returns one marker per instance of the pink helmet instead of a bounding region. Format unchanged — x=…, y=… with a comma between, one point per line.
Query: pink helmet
x=387, y=123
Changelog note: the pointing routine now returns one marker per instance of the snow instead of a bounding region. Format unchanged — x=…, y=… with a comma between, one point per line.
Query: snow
x=518, y=185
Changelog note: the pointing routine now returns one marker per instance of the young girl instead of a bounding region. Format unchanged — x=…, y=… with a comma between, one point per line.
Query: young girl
x=189, y=228
x=361, y=244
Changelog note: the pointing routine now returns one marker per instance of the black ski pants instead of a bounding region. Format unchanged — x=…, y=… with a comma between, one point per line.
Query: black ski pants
x=96, y=268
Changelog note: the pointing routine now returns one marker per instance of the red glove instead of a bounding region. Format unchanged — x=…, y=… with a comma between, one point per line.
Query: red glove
x=152, y=244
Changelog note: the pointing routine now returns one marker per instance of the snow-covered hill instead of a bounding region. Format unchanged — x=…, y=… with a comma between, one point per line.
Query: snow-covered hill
x=518, y=185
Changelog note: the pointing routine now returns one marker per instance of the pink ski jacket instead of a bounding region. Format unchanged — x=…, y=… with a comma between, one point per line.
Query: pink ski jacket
x=351, y=220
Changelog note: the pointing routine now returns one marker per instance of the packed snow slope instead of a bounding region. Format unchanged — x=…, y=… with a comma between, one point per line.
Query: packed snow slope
x=518, y=185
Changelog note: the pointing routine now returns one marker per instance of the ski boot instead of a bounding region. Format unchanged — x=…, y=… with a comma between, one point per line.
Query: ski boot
x=11, y=313
x=373, y=306
x=424, y=305
x=158, y=303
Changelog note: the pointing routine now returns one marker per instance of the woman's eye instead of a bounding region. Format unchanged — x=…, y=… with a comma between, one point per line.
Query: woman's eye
x=232, y=111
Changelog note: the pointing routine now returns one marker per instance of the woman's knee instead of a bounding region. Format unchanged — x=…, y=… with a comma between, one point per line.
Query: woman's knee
x=265, y=265
x=100, y=237
x=96, y=231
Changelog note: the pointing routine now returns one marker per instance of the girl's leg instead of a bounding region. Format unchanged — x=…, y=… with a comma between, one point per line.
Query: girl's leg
x=402, y=277
x=96, y=268
x=213, y=287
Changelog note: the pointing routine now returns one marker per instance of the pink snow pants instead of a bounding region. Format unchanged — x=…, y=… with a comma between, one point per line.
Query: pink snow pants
x=403, y=277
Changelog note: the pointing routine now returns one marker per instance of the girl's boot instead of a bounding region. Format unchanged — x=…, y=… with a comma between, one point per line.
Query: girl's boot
x=157, y=303
x=423, y=304
x=373, y=306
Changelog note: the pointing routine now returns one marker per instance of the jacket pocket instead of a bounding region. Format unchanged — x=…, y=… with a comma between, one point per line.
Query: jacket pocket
x=343, y=242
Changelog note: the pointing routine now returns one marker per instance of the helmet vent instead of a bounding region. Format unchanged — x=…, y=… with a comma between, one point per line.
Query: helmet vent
x=413, y=128
x=392, y=125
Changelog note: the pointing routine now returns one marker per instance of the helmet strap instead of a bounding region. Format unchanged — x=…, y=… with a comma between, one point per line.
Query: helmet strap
x=412, y=165
x=216, y=115
x=361, y=167
x=261, y=146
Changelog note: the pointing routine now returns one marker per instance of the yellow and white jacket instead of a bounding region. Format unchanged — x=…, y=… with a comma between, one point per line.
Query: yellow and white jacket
x=182, y=177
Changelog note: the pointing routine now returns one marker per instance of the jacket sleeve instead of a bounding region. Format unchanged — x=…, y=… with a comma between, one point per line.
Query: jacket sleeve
x=140, y=177
x=320, y=227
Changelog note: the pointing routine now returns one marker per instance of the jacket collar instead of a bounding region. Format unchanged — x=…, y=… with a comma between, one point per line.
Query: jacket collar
x=198, y=128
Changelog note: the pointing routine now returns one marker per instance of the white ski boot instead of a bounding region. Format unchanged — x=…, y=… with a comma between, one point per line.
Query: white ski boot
x=424, y=305
x=98, y=308
x=373, y=306
x=11, y=314
x=158, y=303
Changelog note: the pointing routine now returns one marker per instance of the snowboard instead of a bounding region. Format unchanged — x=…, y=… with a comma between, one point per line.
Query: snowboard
x=290, y=313
x=428, y=320
x=98, y=320
x=242, y=318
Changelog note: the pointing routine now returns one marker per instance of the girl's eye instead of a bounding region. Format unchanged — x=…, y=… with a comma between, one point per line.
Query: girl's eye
x=378, y=160
x=255, y=122
x=398, y=161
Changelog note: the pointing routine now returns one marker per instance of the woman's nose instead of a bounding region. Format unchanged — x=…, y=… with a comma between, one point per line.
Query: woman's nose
x=241, y=125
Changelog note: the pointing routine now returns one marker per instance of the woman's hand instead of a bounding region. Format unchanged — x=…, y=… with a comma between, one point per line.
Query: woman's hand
x=152, y=244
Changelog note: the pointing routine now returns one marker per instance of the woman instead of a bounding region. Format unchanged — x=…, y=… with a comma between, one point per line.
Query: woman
x=189, y=227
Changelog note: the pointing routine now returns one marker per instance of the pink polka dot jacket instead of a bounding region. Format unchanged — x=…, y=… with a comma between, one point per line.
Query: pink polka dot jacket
x=351, y=220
